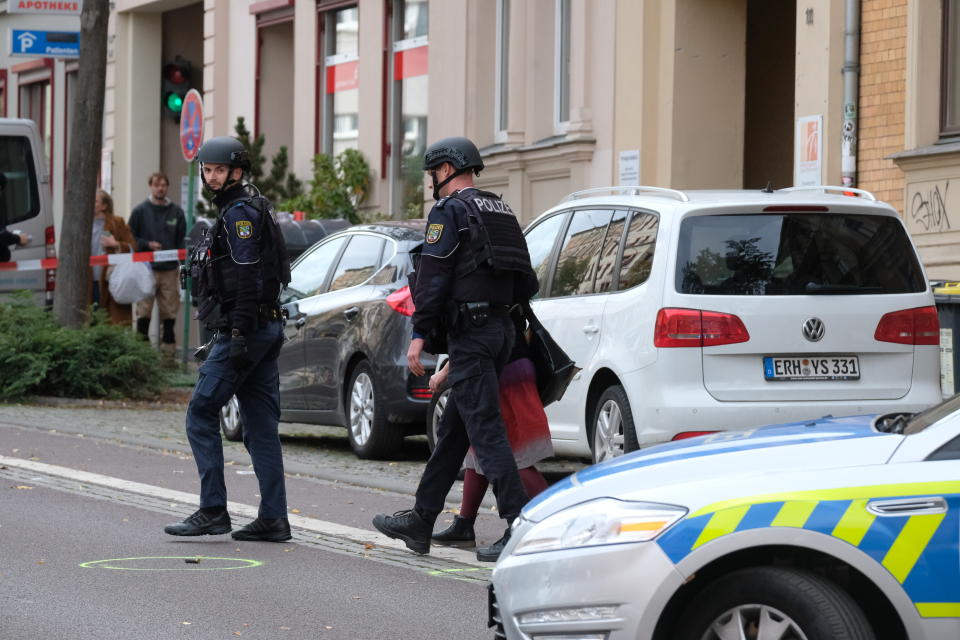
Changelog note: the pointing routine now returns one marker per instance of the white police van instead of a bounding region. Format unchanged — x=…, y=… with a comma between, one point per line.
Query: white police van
x=837, y=528
x=25, y=205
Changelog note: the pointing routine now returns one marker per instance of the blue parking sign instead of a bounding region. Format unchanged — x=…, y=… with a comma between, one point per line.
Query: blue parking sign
x=44, y=44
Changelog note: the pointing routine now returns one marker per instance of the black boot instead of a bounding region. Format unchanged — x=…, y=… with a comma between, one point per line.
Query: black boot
x=460, y=531
x=143, y=328
x=169, y=337
x=261, y=530
x=407, y=526
x=492, y=553
x=201, y=524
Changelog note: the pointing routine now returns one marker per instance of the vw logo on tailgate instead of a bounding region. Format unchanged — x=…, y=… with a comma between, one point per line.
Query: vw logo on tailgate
x=813, y=329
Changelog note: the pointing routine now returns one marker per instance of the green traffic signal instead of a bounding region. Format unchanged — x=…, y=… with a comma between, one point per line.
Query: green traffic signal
x=174, y=102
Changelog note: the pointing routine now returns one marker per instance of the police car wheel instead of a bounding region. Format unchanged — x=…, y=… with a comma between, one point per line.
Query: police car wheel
x=437, y=404
x=230, y=421
x=370, y=433
x=612, y=432
x=773, y=603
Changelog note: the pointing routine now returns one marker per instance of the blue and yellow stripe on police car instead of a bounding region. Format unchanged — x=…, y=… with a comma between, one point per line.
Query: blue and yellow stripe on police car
x=919, y=550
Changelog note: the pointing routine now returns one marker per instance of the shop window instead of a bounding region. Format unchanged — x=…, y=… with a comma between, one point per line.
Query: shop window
x=503, y=66
x=562, y=77
x=36, y=103
x=341, y=64
x=71, y=104
x=408, y=122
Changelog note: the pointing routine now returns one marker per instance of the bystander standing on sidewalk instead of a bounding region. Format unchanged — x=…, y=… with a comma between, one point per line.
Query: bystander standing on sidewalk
x=157, y=224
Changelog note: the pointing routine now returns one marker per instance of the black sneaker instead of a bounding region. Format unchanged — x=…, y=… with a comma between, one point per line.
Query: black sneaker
x=492, y=553
x=261, y=530
x=460, y=532
x=200, y=524
x=407, y=526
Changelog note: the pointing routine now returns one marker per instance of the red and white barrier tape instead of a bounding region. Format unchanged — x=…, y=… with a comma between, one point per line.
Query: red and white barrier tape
x=112, y=258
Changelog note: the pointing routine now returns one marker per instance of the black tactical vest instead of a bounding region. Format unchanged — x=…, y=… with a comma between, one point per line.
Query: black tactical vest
x=495, y=240
x=215, y=278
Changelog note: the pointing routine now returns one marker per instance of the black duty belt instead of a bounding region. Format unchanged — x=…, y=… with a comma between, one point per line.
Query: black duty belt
x=269, y=311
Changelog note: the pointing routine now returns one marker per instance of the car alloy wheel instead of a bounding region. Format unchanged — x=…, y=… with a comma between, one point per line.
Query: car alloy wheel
x=608, y=432
x=437, y=406
x=754, y=621
x=361, y=409
x=772, y=603
x=231, y=423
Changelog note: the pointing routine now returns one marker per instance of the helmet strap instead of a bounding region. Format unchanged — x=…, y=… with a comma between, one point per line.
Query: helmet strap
x=226, y=185
x=437, y=187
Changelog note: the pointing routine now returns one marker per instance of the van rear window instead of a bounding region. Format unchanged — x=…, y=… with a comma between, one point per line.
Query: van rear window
x=796, y=254
x=19, y=194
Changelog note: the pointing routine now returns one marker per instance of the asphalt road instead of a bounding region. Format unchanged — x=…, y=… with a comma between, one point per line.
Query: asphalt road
x=87, y=484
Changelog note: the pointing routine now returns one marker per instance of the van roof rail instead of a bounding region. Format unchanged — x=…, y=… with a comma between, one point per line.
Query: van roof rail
x=631, y=190
x=826, y=188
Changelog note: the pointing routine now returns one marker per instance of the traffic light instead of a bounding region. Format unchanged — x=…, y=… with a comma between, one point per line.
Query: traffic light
x=176, y=83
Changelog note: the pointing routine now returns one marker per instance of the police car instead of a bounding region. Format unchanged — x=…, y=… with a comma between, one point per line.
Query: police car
x=829, y=529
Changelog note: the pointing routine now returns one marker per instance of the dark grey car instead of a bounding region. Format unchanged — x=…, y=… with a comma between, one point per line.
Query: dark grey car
x=344, y=360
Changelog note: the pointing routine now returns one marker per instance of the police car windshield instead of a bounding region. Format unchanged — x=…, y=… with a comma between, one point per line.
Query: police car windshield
x=934, y=414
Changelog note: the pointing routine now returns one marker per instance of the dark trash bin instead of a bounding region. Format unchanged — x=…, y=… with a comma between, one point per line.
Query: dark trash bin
x=947, y=297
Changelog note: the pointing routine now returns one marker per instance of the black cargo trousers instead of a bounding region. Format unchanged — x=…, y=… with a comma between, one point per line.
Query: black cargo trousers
x=472, y=417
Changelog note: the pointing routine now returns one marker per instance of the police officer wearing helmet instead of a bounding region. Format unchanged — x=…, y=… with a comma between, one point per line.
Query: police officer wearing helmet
x=239, y=268
x=473, y=268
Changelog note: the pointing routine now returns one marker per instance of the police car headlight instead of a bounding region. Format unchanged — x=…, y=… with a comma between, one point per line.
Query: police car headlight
x=599, y=522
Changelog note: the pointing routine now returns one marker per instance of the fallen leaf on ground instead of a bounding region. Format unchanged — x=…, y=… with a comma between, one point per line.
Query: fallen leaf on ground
x=294, y=510
x=368, y=545
x=22, y=486
x=284, y=628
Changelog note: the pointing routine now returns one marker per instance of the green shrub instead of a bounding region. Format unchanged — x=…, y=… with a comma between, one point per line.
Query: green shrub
x=100, y=361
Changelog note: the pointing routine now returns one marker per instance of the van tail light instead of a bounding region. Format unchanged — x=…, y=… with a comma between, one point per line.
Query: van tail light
x=401, y=301
x=696, y=328
x=683, y=435
x=50, y=242
x=910, y=326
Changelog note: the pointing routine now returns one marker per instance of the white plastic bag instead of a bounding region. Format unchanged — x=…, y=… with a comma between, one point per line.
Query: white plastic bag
x=131, y=282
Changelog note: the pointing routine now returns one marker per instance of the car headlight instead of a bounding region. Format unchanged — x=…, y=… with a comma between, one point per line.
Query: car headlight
x=599, y=522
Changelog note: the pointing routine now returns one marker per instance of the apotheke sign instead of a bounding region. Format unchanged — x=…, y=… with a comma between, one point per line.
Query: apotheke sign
x=48, y=7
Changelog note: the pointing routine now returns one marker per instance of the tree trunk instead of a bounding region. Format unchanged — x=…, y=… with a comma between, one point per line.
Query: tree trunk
x=83, y=164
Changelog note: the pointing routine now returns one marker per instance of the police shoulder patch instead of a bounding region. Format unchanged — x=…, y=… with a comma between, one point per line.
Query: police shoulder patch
x=433, y=233
x=244, y=229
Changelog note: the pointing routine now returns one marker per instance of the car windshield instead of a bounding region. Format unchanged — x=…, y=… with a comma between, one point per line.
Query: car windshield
x=796, y=254
x=937, y=412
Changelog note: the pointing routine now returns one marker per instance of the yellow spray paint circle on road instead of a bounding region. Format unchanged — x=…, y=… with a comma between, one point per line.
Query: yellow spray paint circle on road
x=176, y=563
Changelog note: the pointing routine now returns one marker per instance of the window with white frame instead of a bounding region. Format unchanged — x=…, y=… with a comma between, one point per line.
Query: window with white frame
x=950, y=71
x=341, y=63
x=562, y=74
x=501, y=120
x=408, y=104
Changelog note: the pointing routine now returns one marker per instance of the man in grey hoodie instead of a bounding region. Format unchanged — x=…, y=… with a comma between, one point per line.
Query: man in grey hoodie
x=158, y=224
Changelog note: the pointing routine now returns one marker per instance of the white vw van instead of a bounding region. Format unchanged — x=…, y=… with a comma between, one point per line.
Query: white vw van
x=25, y=205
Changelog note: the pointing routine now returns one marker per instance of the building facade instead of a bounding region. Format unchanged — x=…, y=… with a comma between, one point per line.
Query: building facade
x=560, y=95
x=40, y=88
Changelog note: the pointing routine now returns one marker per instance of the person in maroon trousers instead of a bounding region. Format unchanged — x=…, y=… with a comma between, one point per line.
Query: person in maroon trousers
x=527, y=431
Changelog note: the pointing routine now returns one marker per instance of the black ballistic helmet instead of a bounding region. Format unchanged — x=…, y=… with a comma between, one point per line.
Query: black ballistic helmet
x=224, y=150
x=459, y=152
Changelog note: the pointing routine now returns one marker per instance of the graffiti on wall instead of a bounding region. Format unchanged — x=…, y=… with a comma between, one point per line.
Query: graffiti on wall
x=928, y=206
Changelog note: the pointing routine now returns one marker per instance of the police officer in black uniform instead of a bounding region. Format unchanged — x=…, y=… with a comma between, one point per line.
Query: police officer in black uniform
x=473, y=268
x=239, y=269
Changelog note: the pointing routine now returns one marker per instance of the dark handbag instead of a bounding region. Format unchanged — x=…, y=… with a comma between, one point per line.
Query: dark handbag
x=555, y=370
